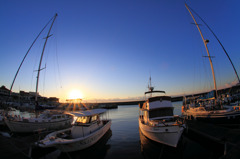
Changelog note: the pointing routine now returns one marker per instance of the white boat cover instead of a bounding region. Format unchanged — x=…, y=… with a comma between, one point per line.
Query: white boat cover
x=88, y=112
x=158, y=102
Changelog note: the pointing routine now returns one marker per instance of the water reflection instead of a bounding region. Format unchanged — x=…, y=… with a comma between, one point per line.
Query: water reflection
x=125, y=141
x=153, y=150
x=188, y=148
x=98, y=150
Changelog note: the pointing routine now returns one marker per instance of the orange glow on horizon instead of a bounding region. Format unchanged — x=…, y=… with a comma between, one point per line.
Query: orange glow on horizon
x=75, y=94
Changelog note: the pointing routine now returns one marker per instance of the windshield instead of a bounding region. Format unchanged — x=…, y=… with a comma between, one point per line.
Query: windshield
x=161, y=112
x=83, y=119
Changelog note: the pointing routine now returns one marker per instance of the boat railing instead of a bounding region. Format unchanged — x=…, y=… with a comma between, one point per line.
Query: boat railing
x=65, y=135
x=175, y=120
x=105, y=121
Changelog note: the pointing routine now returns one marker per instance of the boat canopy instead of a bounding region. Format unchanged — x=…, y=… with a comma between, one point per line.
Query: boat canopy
x=91, y=112
x=159, y=98
x=157, y=102
x=155, y=92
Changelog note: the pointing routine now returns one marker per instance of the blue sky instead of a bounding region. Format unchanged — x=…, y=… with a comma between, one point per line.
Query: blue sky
x=108, y=49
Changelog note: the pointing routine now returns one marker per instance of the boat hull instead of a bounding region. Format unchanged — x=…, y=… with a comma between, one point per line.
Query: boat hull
x=70, y=145
x=85, y=142
x=168, y=135
x=30, y=127
x=214, y=118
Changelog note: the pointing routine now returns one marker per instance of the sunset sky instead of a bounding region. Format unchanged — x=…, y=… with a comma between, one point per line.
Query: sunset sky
x=106, y=50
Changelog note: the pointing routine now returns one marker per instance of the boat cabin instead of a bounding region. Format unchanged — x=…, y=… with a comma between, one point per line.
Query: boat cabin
x=87, y=122
x=158, y=107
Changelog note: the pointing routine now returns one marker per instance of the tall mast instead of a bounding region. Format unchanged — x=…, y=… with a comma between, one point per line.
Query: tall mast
x=205, y=41
x=39, y=67
x=26, y=56
x=219, y=43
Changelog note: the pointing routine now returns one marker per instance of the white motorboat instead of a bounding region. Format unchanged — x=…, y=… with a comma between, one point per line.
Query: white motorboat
x=157, y=122
x=86, y=131
x=46, y=121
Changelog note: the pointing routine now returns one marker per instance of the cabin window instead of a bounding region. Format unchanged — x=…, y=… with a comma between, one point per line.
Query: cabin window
x=94, y=118
x=83, y=120
x=59, y=117
x=54, y=117
x=160, y=112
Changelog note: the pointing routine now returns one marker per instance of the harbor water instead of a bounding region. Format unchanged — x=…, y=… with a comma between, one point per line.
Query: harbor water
x=124, y=140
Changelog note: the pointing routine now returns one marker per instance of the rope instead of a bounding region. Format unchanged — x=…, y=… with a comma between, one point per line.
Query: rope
x=218, y=42
x=57, y=59
x=27, y=54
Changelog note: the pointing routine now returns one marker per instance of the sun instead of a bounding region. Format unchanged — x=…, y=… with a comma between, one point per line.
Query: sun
x=75, y=94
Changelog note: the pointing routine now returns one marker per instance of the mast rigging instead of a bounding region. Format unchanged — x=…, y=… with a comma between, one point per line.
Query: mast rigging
x=40, y=62
x=205, y=41
x=218, y=42
x=26, y=56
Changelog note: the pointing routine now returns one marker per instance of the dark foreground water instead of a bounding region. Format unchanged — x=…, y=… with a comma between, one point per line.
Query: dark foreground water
x=125, y=141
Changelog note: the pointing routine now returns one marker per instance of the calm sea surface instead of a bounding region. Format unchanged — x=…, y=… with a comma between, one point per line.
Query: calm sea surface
x=125, y=141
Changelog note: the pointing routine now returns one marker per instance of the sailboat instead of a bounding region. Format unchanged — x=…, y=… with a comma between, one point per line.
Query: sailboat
x=46, y=121
x=208, y=108
x=156, y=119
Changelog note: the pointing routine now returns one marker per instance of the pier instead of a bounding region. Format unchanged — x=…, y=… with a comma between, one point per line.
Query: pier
x=19, y=147
x=233, y=90
x=228, y=139
x=22, y=146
